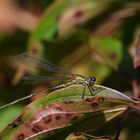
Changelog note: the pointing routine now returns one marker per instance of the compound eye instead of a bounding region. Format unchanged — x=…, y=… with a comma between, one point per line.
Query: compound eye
x=94, y=79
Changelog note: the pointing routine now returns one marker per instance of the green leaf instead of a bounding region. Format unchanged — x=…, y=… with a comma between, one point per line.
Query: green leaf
x=47, y=26
x=79, y=13
x=64, y=111
x=53, y=19
x=109, y=48
x=8, y=114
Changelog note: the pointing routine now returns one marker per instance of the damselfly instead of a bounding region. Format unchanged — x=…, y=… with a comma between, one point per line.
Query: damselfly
x=32, y=60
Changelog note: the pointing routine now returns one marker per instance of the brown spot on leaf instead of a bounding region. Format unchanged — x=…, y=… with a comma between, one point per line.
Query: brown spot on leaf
x=13, y=125
x=77, y=133
x=112, y=56
x=58, y=117
x=47, y=119
x=74, y=118
x=16, y=121
x=37, y=128
x=59, y=109
x=20, y=136
x=94, y=105
x=78, y=14
x=68, y=102
x=35, y=49
x=19, y=119
x=68, y=115
x=101, y=99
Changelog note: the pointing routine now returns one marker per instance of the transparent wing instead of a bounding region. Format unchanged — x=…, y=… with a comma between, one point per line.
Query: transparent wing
x=34, y=61
x=42, y=79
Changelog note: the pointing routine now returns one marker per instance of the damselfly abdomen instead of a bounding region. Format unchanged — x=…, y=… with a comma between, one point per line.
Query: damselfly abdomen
x=34, y=61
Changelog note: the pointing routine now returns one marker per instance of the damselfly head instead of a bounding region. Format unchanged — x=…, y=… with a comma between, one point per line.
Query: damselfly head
x=92, y=80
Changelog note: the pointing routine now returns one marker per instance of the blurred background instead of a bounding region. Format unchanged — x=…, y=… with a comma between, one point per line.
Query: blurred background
x=89, y=37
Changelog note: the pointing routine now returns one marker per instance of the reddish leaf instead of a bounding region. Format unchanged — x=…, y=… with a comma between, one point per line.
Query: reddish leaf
x=136, y=52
